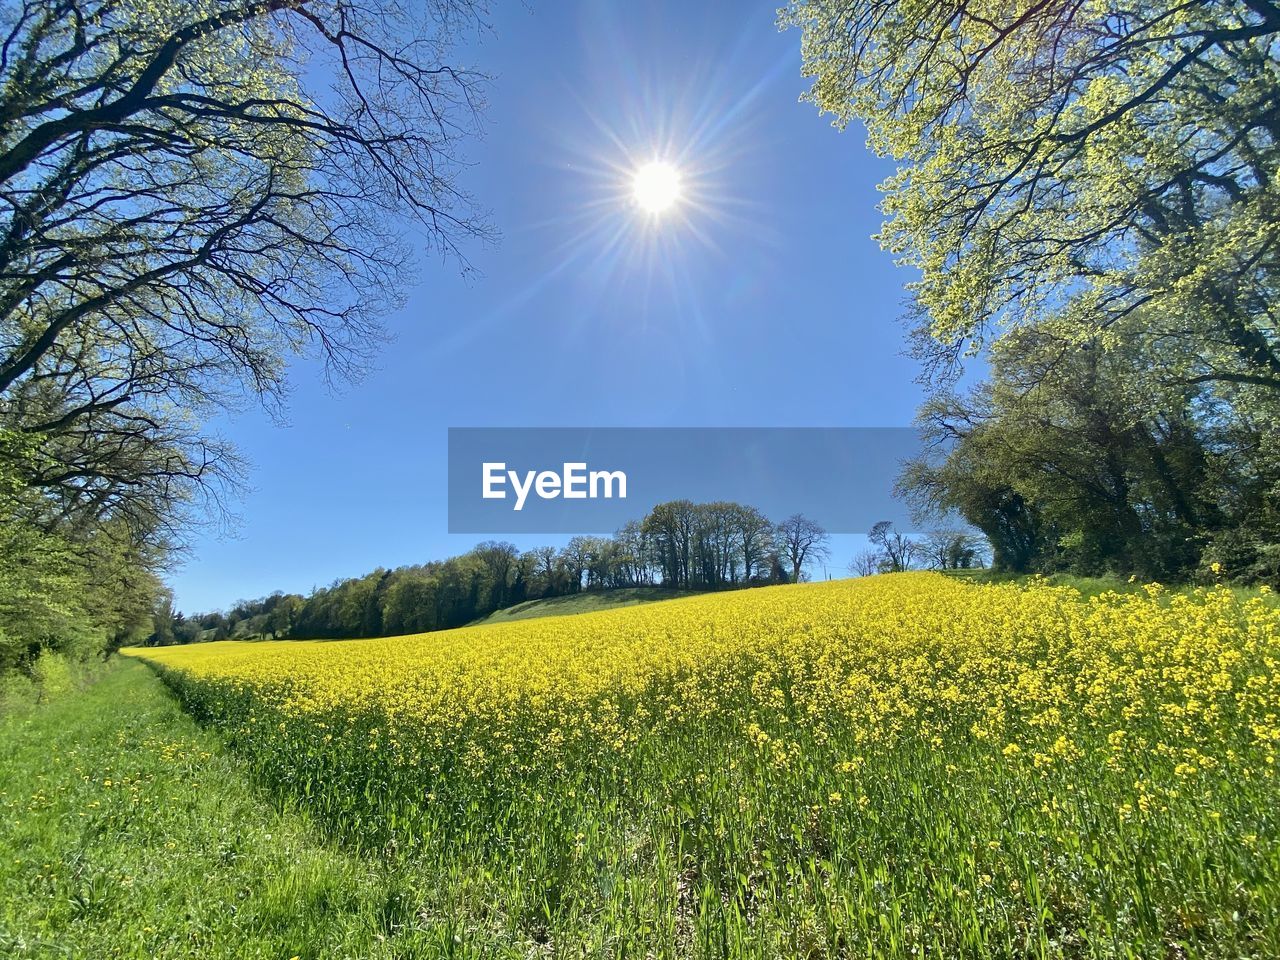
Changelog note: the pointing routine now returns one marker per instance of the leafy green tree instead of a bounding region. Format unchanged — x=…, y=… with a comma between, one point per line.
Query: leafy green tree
x=191, y=194
x=753, y=535
x=575, y=557
x=1088, y=192
x=499, y=558
x=1073, y=167
x=162, y=617
x=77, y=591
x=716, y=560
x=186, y=629
x=411, y=603
x=669, y=528
x=948, y=549
x=1083, y=460
x=633, y=554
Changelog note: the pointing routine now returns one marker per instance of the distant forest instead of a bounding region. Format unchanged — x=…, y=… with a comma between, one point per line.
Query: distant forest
x=679, y=545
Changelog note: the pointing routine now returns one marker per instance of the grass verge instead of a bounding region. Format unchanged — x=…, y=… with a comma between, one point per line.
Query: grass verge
x=127, y=831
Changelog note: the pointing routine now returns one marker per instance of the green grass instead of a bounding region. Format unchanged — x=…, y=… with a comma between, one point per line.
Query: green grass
x=127, y=831
x=588, y=602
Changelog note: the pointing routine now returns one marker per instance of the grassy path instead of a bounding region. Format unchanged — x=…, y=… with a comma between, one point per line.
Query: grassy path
x=127, y=831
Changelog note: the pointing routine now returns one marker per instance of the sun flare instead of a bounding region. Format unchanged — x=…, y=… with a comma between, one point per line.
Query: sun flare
x=656, y=187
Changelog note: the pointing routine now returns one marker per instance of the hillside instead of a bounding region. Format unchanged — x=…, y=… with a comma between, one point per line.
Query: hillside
x=588, y=602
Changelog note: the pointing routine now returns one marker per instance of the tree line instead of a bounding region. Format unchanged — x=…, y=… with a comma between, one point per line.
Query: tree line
x=679, y=545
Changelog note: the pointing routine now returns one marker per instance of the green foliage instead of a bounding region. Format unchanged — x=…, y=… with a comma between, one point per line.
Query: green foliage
x=1081, y=459
x=52, y=673
x=715, y=545
x=1064, y=164
x=80, y=592
x=181, y=217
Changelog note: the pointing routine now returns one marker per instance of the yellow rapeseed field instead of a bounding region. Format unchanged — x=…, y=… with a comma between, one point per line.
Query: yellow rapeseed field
x=888, y=766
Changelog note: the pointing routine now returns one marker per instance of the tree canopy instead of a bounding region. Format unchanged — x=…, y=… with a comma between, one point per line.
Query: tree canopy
x=1073, y=163
x=192, y=193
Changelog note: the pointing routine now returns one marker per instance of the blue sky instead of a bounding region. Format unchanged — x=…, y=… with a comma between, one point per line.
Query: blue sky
x=765, y=302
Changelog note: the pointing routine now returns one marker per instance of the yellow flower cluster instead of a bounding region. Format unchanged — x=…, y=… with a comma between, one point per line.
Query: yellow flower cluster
x=1022, y=742
x=1034, y=671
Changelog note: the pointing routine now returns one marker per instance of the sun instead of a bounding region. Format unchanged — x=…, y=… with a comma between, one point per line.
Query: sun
x=656, y=187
